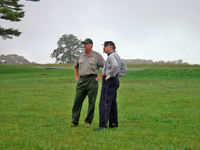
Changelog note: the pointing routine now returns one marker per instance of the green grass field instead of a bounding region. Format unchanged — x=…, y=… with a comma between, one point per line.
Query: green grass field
x=159, y=108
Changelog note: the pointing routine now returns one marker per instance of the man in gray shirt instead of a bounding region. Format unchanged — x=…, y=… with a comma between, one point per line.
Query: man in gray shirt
x=87, y=66
x=112, y=70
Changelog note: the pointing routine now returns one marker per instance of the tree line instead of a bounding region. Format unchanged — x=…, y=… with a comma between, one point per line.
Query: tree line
x=151, y=62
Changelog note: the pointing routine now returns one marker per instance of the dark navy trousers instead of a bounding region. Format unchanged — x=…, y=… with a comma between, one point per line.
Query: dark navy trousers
x=108, y=103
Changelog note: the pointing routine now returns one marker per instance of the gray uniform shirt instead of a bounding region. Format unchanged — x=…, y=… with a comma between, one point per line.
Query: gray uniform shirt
x=114, y=66
x=89, y=64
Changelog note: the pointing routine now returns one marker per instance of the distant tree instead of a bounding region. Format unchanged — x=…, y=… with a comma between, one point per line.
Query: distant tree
x=160, y=62
x=69, y=47
x=14, y=59
x=11, y=10
x=180, y=61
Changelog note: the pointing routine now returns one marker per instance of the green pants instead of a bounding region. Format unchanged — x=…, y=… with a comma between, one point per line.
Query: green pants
x=85, y=86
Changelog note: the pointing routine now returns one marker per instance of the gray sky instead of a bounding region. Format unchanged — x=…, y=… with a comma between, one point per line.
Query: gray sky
x=144, y=29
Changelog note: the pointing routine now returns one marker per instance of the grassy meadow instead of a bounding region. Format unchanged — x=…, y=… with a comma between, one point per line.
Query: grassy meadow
x=158, y=108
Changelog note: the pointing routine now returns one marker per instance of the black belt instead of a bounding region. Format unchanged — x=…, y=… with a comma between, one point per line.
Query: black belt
x=86, y=76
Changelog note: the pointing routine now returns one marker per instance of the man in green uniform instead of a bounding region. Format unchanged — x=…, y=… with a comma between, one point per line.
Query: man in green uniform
x=87, y=66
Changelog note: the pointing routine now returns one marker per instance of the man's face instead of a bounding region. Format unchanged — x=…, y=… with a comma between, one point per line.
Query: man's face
x=87, y=46
x=107, y=49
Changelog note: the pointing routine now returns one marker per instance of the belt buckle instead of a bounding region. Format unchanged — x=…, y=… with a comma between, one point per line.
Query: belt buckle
x=84, y=76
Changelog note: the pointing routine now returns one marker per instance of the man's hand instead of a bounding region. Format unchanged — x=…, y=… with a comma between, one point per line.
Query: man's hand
x=77, y=78
x=98, y=78
x=76, y=74
x=107, y=78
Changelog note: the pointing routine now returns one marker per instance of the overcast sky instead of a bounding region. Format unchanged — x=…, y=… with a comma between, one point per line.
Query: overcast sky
x=144, y=29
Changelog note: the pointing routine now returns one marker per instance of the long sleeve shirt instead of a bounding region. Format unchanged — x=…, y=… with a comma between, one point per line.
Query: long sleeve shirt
x=114, y=65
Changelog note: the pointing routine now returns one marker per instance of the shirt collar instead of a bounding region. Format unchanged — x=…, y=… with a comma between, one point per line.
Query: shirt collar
x=111, y=53
x=90, y=53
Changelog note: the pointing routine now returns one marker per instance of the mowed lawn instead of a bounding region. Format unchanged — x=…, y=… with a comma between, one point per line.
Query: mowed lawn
x=158, y=108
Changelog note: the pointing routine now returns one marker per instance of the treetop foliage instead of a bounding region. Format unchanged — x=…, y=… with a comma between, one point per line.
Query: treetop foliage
x=69, y=47
x=14, y=59
x=12, y=11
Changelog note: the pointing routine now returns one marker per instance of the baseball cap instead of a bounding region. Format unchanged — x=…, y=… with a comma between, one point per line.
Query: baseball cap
x=87, y=40
x=109, y=43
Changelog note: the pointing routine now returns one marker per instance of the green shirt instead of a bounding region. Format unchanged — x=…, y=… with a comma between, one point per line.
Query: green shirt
x=89, y=64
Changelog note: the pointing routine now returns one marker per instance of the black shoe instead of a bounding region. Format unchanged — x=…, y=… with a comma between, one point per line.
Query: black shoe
x=113, y=126
x=99, y=129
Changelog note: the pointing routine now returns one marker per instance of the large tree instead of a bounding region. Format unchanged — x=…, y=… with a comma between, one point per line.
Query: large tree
x=12, y=11
x=69, y=47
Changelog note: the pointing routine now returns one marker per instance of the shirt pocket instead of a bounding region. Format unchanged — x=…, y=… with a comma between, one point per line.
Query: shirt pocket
x=93, y=64
x=80, y=63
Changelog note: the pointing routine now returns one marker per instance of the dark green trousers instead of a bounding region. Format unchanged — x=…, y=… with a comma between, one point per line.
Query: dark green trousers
x=85, y=87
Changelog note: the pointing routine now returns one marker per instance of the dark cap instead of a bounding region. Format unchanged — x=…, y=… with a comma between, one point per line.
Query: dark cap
x=109, y=43
x=88, y=41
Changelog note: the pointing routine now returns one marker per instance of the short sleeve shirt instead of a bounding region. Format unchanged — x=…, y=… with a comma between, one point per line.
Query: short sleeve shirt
x=91, y=64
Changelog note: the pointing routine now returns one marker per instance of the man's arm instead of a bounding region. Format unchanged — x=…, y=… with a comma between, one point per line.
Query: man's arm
x=99, y=77
x=114, y=67
x=122, y=69
x=101, y=63
x=76, y=74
